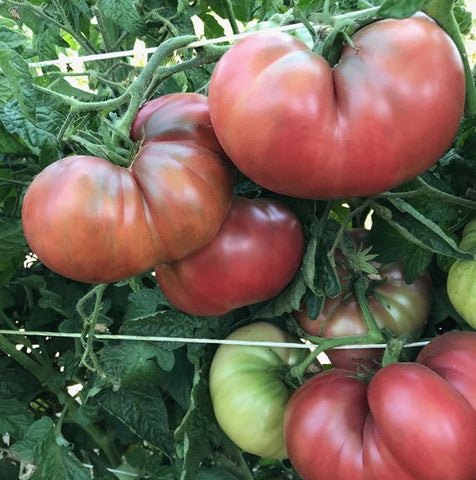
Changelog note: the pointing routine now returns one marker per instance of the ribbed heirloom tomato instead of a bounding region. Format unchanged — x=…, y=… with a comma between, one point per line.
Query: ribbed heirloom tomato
x=254, y=255
x=248, y=394
x=412, y=421
x=93, y=221
x=384, y=114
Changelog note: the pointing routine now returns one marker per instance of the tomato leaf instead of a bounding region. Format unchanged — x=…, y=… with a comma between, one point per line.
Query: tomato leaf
x=33, y=135
x=9, y=471
x=15, y=382
x=144, y=303
x=15, y=417
x=142, y=410
x=392, y=247
x=417, y=229
x=12, y=249
x=215, y=474
x=49, y=452
x=400, y=8
x=285, y=302
x=123, y=13
x=197, y=434
x=318, y=266
x=17, y=73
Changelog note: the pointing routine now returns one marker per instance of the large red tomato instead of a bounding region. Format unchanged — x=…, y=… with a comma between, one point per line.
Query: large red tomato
x=92, y=221
x=386, y=113
x=413, y=421
x=256, y=252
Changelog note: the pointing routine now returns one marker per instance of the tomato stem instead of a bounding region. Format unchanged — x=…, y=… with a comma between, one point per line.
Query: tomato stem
x=89, y=359
x=326, y=343
x=136, y=91
x=442, y=12
x=392, y=351
x=228, y=6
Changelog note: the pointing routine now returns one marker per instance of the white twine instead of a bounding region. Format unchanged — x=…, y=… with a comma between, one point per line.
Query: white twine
x=130, y=53
x=103, y=336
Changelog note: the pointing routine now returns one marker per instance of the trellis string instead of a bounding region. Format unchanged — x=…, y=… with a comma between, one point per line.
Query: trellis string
x=130, y=53
x=216, y=341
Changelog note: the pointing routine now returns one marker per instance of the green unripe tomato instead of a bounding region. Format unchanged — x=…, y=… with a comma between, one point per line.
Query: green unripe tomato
x=461, y=282
x=248, y=394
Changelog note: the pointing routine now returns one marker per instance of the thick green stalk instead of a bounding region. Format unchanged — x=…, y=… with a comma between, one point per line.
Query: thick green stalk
x=227, y=5
x=136, y=91
x=442, y=12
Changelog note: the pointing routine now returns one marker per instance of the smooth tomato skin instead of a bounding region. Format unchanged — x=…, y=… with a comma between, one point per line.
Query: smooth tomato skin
x=254, y=255
x=354, y=130
x=180, y=117
x=247, y=393
x=95, y=222
x=405, y=310
x=411, y=422
x=461, y=281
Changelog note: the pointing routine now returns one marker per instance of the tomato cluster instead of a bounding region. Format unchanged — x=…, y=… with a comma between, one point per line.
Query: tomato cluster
x=288, y=121
x=396, y=306
x=93, y=221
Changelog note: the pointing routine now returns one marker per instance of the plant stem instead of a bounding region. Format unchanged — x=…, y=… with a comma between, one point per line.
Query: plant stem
x=326, y=343
x=136, y=91
x=442, y=12
x=69, y=119
x=227, y=5
x=430, y=191
x=23, y=359
x=374, y=331
x=89, y=326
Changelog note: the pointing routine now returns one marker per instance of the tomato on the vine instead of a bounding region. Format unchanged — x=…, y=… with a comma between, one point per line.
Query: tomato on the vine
x=254, y=255
x=397, y=306
x=384, y=114
x=247, y=391
x=412, y=421
x=95, y=222
x=461, y=282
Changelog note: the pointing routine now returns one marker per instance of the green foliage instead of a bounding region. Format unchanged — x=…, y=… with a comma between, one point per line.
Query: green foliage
x=138, y=405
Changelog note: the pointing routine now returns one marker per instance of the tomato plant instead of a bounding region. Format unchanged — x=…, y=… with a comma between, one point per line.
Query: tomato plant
x=396, y=306
x=354, y=130
x=111, y=380
x=247, y=391
x=254, y=255
x=96, y=222
x=461, y=282
x=412, y=421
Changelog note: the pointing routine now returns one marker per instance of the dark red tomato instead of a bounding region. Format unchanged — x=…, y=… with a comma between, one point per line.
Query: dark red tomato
x=295, y=126
x=182, y=117
x=92, y=221
x=255, y=254
x=413, y=421
x=400, y=307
